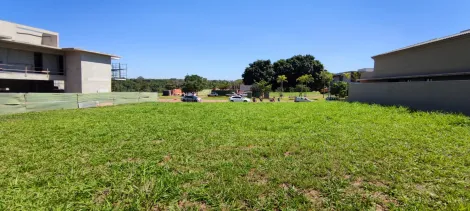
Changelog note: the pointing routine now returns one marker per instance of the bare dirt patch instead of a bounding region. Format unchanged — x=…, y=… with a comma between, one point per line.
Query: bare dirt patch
x=131, y=160
x=257, y=177
x=165, y=160
x=313, y=196
x=185, y=205
x=357, y=183
x=101, y=197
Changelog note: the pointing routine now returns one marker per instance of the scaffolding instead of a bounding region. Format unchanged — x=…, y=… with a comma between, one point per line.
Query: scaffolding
x=119, y=71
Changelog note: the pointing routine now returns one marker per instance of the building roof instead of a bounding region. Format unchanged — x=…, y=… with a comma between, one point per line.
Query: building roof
x=417, y=76
x=30, y=28
x=63, y=49
x=462, y=33
x=93, y=52
x=359, y=70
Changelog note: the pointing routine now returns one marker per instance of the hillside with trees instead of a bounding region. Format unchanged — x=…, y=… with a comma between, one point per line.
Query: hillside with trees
x=141, y=84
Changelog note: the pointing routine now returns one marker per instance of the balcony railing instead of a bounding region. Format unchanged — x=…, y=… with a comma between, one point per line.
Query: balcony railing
x=27, y=68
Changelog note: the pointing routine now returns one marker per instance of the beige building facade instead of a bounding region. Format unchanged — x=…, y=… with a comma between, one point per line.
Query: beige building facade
x=32, y=61
x=432, y=75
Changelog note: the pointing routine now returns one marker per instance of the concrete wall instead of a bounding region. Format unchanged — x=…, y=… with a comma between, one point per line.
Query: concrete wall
x=446, y=56
x=87, y=73
x=27, y=34
x=96, y=73
x=73, y=72
x=433, y=95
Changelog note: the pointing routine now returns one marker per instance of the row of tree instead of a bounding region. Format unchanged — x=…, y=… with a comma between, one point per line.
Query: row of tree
x=193, y=83
x=297, y=72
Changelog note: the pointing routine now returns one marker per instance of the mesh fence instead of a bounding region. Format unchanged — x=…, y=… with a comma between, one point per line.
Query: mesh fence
x=19, y=102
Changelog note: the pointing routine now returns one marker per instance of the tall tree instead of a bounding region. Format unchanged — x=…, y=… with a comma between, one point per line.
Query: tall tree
x=281, y=79
x=258, y=71
x=325, y=78
x=297, y=66
x=194, y=83
x=305, y=80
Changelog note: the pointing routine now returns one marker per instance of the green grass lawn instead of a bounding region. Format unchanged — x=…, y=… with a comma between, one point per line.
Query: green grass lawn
x=255, y=156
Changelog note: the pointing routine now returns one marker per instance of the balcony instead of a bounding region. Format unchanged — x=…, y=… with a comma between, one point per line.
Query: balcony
x=29, y=72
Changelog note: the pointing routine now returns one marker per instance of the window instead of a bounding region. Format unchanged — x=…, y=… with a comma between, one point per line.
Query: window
x=37, y=61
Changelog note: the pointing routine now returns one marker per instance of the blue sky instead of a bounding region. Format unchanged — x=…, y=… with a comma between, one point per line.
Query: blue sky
x=217, y=39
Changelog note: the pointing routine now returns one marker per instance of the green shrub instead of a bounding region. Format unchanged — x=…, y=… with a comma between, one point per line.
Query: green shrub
x=302, y=88
x=340, y=89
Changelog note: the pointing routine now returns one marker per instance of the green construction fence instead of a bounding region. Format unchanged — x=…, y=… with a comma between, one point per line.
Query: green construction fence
x=26, y=102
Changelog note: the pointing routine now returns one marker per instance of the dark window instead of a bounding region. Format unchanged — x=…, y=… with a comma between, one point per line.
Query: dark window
x=37, y=61
x=61, y=64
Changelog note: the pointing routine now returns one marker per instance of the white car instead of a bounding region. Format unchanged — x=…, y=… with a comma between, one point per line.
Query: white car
x=302, y=99
x=239, y=99
x=213, y=94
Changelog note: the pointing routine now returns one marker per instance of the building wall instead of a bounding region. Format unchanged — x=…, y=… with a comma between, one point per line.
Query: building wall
x=96, y=73
x=73, y=74
x=443, y=57
x=433, y=95
x=27, y=34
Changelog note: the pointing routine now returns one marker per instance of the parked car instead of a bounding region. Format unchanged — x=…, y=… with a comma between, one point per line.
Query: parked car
x=213, y=94
x=190, y=99
x=239, y=99
x=302, y=99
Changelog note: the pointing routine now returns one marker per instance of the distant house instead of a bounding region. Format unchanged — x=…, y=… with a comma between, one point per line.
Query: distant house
x=341, y=77
x=176, y=92
x=245, y=88
x=432, y=75
x=364, y=73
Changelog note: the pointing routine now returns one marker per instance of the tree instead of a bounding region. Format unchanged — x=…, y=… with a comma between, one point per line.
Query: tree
x=194, y=83
x=297, y=66
x=224, y=85
x=325, y=78
x=304, y=80
x=170, y=85
x=260, y=88
x=237, y=83
x=355, y=76
x=281, y=79
x=340, y=89
x=282, y=67
x=258, y=71
x=142, y=85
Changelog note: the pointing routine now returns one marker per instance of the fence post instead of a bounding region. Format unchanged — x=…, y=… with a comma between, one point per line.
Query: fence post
x=138, y=99
x=78, y=105
x=25, y=100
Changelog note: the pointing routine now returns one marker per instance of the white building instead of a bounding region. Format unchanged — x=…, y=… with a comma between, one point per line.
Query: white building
x=32, y=61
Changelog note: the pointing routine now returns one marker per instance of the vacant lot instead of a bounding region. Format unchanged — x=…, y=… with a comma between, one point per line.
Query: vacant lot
x=235, y=156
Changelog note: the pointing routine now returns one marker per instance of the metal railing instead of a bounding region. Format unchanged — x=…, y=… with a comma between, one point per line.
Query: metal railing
x=28, y=68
